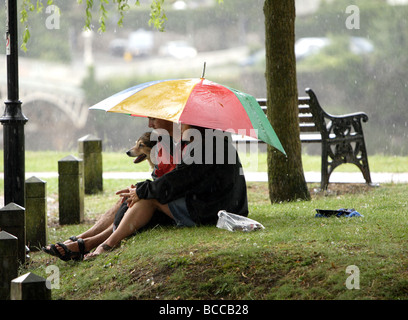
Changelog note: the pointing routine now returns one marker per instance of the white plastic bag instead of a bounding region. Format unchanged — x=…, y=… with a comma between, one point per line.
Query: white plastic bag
x=234, y=222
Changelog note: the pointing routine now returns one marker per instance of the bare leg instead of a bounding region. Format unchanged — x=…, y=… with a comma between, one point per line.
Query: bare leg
x=103, y=223
x=135, y=218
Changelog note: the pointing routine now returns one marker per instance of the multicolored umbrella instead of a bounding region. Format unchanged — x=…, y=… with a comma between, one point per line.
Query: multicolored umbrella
x=198, y=102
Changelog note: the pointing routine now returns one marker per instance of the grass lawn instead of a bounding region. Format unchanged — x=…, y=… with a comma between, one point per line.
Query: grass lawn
x=296, y=256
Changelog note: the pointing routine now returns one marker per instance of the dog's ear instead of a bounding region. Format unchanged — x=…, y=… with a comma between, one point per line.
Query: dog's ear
x=151, y=144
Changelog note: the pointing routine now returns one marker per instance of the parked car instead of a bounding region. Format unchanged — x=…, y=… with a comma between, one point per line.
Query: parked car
x=178, y=49
x=139, y=43
x=117, y=47
x=359, y=45
x=305, y=47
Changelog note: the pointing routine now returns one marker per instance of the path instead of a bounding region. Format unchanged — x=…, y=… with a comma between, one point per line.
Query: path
x=311, y=177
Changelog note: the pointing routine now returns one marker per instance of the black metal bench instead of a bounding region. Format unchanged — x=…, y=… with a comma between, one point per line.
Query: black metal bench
x=341, y=137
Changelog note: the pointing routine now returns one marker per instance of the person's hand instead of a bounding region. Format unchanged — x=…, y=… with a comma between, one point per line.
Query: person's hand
x=129, y=195
x=132, y=197
x=122, y=193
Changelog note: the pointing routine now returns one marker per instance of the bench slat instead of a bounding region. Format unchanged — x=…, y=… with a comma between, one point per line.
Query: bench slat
x=307, y=138
x=306, y=118
x=307, y=127
x=311, y=138
x=304, y=109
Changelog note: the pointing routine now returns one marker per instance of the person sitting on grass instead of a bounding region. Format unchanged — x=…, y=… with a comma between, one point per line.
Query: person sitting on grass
x=191, y=195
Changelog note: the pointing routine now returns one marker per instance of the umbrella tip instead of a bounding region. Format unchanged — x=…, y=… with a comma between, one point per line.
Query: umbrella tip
x=203, y=74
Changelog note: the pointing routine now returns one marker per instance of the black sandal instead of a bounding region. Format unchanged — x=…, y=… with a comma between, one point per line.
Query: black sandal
x=69, y=255
x=81, y=247
x=52, y=250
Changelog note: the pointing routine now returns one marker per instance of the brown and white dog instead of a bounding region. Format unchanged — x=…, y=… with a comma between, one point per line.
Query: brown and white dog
x=141, y=150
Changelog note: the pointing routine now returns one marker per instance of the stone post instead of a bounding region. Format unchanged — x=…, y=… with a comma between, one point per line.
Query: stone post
x=90, y=151
x=8, y=263
x=70, y=190
x=12, y=220
x=36, y=213
x=30, y=287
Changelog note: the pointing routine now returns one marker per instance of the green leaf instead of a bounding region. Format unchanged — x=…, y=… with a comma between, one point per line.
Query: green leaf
x=40, y=6
x=26, y=37
x=157, y=15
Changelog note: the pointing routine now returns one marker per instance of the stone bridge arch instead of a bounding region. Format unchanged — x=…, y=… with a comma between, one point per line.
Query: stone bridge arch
x=56, y=118
x=72, y=106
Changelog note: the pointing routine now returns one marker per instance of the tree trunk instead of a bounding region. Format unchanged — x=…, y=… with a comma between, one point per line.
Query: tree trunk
x=286, y=177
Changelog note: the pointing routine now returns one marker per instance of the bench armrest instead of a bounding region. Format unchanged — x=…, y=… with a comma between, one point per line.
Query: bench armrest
x=352, y=116
x=348, y=125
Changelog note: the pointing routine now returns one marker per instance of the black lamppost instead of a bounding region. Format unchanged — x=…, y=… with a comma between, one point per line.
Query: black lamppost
x=13, y=120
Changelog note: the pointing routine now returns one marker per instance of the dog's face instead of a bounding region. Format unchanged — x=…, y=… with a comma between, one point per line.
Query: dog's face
x=141, y=150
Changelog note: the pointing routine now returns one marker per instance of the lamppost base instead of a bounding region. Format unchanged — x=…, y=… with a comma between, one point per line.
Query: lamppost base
x=13, y=121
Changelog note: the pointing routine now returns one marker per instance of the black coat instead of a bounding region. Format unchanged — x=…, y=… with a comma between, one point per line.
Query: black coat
x=207, y=187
